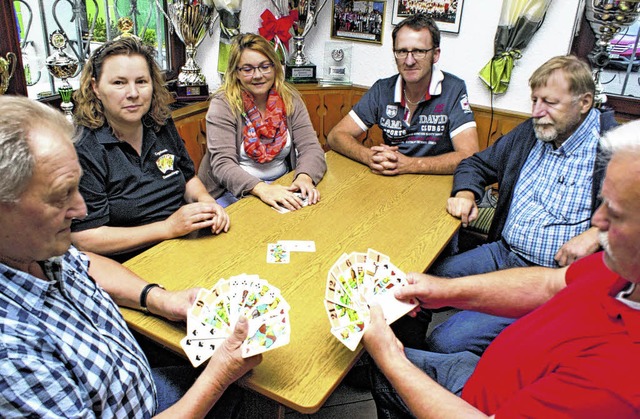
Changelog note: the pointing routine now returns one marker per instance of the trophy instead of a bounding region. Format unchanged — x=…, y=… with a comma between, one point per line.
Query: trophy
x=61, y=66
x=606, y=18
x=299, y=69
x=191, y=19
x=7, y=67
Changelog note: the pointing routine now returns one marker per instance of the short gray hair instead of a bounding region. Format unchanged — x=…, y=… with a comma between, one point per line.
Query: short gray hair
x=18, y=117
x=624, y=138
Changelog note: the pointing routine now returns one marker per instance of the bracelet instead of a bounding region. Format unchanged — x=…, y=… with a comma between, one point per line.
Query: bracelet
x=144, y=294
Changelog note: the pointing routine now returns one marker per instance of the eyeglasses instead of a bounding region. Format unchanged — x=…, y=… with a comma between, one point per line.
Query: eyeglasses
x=249, y=70
x=418, y=54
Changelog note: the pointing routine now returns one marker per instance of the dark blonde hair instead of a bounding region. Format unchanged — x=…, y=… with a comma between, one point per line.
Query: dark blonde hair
x=89, y=110
x=576, y=72
x=418, y=22
x=232, y=87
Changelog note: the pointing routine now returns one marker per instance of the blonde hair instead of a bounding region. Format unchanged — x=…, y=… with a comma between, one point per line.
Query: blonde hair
x=89, y=110
x=232, y=87
x=576, y=72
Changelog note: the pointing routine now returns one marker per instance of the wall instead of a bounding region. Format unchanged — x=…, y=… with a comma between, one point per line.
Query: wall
x=463, y=54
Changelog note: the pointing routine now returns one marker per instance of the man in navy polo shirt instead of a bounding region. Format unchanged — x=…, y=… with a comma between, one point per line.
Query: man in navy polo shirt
x=424, y=113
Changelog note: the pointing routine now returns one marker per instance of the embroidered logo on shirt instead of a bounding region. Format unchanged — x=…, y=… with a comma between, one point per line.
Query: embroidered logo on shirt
x=165, y=162
x=392, y=111
x=439, y=108
x=464, y=104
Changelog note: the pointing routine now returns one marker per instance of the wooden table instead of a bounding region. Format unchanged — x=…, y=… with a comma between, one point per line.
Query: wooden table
x=402, y=216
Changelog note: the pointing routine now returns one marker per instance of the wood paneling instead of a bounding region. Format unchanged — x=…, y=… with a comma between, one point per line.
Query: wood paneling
x=327, y=106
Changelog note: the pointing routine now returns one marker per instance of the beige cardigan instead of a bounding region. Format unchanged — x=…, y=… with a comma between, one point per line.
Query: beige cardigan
x=219, y=169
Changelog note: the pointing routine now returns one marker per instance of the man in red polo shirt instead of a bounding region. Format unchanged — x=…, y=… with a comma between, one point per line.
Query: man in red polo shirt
x=572, y=353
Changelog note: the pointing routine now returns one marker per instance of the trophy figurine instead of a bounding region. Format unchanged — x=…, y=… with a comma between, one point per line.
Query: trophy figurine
x=299, y=69
x=606, y=18
x=61, y=66
x=7, y=67
x=191, y=20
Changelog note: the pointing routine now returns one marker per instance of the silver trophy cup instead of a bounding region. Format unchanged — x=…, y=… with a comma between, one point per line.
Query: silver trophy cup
x=191, y=20
x=299, y=69
x=607, y=18
x=62, y=66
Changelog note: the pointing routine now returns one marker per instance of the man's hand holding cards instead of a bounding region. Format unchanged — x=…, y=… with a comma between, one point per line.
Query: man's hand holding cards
x=354, y=282
x=215, y=312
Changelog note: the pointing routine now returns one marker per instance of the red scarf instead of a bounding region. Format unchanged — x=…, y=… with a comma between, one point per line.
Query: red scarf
x=270, y=128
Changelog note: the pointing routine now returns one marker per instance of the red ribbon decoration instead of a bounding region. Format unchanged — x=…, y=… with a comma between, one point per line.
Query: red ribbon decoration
x=272, y=27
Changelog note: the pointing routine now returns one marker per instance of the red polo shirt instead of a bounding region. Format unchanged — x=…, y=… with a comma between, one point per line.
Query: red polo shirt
x=576, y=356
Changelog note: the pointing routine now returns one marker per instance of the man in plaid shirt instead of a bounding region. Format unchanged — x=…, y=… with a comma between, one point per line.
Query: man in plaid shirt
x=65, y=350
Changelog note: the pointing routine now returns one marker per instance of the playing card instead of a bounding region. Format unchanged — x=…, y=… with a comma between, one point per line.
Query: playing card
x=305, y=202
x=340, y=315
x=276, y=253
x=272, y=333
x=354, y=282
x=215, y=312
x=298, y=245
x=350, y=335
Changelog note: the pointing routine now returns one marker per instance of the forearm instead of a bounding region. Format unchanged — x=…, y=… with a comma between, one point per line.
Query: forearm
x=508, y=293
x=123, y=285
x=107, y=240
x=195, y=191
x=424, y=397
x=443, y=164
x=349, y=146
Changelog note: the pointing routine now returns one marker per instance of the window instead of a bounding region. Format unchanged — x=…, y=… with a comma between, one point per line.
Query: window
x=621, y=78
x=28, y=24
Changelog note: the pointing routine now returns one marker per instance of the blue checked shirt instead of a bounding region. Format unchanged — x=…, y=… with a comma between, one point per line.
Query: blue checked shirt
x=65, y=349
x=552, y=198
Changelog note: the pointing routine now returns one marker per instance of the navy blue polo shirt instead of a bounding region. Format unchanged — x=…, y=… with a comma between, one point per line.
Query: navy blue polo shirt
x=124, y=189
x=443, y=113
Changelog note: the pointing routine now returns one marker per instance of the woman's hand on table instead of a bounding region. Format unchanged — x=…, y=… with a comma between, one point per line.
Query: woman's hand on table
x=304, y=184
x=195, y=216
x=277, y=196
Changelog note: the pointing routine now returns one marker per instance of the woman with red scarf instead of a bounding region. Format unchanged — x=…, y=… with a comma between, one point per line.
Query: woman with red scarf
x=258, y=129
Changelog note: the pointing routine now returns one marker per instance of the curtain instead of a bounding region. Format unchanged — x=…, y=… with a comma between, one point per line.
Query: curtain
x=519, y=21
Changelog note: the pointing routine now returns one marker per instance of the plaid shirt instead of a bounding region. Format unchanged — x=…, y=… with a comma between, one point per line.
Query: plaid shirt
x=65, y=350
x=552, y=198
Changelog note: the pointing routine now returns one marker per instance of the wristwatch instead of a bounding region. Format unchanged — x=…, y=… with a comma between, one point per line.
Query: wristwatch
x=144, y=294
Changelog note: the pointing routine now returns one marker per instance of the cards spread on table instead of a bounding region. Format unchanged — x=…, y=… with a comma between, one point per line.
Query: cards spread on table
x=354, y=282
x=215, y=312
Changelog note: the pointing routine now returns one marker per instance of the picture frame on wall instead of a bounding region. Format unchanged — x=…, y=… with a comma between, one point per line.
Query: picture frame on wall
x=358, y=20
x=446, y=13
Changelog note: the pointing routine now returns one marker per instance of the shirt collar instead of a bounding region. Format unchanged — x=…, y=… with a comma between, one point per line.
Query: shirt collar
x=435, y=86
x=25, y=289
x=621, y=312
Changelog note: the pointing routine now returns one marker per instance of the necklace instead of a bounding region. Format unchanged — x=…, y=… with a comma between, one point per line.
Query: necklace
x=406, y=96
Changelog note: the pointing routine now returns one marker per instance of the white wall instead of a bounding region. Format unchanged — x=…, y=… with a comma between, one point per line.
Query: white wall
x=463, y=54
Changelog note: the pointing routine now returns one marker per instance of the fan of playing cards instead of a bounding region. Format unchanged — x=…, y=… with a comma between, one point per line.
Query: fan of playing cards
x=355, y=281
x=216, y=311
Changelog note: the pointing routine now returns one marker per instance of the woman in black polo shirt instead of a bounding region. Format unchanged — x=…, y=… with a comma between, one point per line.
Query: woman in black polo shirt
x=139, y=183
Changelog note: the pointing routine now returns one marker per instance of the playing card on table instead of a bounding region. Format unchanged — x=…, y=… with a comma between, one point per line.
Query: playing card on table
x=277, y=253
x=355, y=281
x=215, y=312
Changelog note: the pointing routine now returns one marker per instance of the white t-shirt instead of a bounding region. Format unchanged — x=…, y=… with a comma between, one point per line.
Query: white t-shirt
x=269, y=170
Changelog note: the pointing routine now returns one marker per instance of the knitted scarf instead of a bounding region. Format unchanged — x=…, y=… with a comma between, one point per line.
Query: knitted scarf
x=271, y=126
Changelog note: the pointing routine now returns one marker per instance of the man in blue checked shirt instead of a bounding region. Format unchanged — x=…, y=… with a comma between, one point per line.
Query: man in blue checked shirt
x=65, y=350
x=549, y=170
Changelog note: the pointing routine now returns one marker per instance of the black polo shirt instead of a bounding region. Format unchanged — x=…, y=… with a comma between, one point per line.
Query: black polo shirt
x=124, y=189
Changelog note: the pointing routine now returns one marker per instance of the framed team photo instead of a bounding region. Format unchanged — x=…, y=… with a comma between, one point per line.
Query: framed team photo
x=358, y=20
x=446, y=13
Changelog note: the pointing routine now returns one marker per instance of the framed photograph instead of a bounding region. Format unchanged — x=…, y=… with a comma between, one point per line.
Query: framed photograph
x=358, y=20
x=446, y=13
